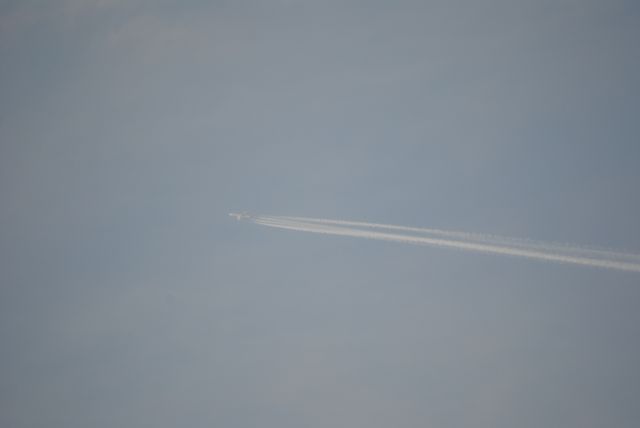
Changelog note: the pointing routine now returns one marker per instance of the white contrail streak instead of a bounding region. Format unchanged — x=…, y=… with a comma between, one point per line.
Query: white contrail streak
x=481, y=238
x=459, y=240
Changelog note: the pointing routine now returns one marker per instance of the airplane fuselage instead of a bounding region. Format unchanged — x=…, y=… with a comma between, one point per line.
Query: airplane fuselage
x=239, y=216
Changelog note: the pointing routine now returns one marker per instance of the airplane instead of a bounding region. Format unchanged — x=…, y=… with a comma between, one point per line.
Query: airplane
x=240, y=216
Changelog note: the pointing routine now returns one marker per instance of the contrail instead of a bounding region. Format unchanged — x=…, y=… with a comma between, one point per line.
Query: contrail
x=481, y=238
x=461, y=240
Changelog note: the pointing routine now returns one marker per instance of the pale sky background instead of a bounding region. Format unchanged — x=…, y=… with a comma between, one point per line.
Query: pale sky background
x=129, y=129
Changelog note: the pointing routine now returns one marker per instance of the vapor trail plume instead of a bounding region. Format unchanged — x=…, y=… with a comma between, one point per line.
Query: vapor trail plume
x=459, y=240
x=481, y=238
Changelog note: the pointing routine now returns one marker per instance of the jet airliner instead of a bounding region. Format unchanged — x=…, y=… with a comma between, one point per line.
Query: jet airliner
x=239, y=216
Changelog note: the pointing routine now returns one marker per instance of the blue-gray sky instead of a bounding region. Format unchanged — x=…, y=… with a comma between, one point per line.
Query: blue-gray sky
x=129, y=129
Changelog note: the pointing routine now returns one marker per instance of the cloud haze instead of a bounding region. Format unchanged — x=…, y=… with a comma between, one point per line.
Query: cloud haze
x=129, y=129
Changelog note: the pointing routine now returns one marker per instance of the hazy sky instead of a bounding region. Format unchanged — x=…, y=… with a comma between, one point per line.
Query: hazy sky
x=130, y=128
